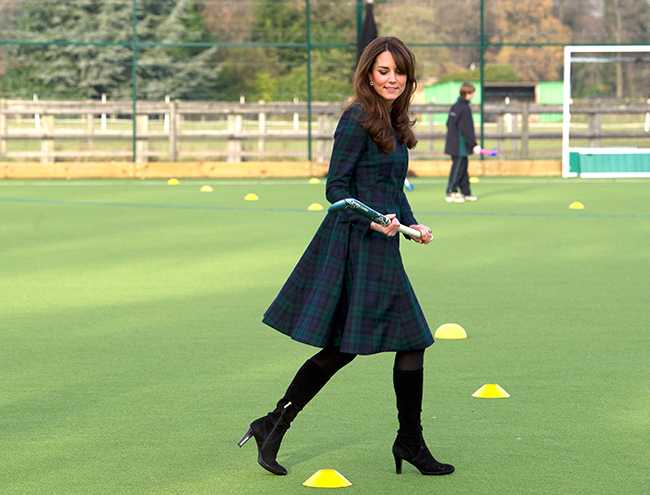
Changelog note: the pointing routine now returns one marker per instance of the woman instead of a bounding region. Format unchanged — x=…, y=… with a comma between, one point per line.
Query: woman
x=349, y=293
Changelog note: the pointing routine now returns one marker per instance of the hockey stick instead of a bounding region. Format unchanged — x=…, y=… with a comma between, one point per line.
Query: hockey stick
x=372, y=215
x=490, y=153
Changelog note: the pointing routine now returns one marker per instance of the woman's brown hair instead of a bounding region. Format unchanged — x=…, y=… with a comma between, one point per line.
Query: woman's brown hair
x=380, y=121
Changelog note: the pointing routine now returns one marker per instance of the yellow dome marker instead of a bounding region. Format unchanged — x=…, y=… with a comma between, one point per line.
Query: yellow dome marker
x=491, y=391
x=576, y=205
x=206, y=188
x=251, y=197
x=450, y=331
x=474, y=180
x=314, y=180
x=315, y=207
x=327, y=478
x=173, y=182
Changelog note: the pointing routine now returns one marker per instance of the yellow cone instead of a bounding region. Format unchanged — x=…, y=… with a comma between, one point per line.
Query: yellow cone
x=450, y=331
x=315, y=207
x=173, y=182
x=206, y=189
x=491, y=391
x=576, y=205
x=473, y=180
x=327, y=478
x=314, y=180
x=251, y=197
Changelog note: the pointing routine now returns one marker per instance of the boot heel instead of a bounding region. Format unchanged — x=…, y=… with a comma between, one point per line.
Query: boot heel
x=246, y=437
x=398, y=465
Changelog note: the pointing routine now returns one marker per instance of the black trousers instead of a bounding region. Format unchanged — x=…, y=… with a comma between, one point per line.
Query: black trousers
x=458, y=176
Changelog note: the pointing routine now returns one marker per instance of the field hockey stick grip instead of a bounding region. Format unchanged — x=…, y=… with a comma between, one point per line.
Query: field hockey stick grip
x=409, y=231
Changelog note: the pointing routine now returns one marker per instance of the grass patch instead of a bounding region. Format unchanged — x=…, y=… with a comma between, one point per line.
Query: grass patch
x=134, y=357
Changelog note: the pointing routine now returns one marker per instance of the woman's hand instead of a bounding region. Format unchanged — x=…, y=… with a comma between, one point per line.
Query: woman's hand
x=389, y=230
x=426, y=236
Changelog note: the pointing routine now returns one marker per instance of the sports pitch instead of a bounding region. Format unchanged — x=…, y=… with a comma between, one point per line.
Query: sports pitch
x=133, y=357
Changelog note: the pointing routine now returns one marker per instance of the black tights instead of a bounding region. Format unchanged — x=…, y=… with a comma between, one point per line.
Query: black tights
x=331, y=359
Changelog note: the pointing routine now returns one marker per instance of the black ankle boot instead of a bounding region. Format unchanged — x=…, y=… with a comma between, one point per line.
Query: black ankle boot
x=270, y=429
x=419, y=456
x=410, y=445
x=268, y=432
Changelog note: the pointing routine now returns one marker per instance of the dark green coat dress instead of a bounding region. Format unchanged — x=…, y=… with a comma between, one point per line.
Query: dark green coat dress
x=350, y=289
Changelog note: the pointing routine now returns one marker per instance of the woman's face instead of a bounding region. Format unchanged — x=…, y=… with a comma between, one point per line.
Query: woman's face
x=387, y=80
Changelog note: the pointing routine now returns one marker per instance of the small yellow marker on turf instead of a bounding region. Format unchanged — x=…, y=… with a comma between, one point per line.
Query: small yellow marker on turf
x=314, y=180
x=450, y=331
x=206, y=188
x=327, y=478
x=315, y=207
x=173, y=182
x=491, y=391
x=474, y=180
x=576, y=205
x=251, y=197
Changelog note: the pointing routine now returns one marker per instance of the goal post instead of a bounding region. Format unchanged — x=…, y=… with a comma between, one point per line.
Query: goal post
x=613, y=161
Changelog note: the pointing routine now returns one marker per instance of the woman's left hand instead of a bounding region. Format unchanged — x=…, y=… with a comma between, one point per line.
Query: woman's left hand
x=426, y=236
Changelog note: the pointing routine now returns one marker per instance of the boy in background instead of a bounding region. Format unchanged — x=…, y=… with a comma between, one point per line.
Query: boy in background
x=460, y=142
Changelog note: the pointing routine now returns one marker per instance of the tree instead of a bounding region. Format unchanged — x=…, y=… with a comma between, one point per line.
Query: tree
x=281, y=22
x=231, y=22
x=48, y=69
x=584, y=19
x=603, y=22
x=528, y=21
x=492, y=73
x=81, y=70
x=284, y=69
x=627, y=21
x=434, y=21
x=182, y=72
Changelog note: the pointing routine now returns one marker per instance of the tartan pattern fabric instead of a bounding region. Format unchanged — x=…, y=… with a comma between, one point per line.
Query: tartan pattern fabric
x=350, y=288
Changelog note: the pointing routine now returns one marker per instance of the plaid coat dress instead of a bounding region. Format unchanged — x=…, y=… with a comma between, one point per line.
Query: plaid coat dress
x=350, y=289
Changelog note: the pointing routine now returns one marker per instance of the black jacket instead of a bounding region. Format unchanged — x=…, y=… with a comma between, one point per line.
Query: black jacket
x=460, y=123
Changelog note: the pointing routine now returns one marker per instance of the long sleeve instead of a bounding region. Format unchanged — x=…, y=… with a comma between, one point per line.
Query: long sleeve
x=466, y=127
x=406, y=213
x=350, y=141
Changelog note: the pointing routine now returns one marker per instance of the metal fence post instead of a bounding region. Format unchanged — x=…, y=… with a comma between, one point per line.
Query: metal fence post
x=134, y=75
x=308, y=14
x=482, y=77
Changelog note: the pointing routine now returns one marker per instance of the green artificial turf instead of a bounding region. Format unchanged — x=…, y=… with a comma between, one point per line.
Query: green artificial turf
x=133, y=357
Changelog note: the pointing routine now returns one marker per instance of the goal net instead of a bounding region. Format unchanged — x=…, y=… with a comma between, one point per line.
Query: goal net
x=606, y=107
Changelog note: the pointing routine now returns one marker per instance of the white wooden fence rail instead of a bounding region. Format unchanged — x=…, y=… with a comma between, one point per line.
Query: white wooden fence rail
x=237, y=132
